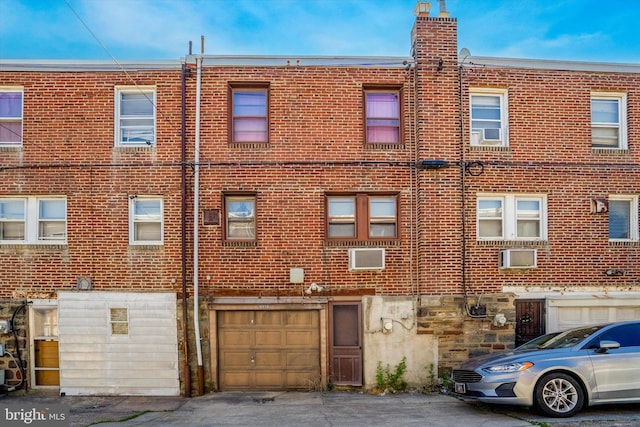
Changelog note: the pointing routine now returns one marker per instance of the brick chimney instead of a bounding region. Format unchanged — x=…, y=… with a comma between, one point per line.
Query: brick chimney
x=437, y=92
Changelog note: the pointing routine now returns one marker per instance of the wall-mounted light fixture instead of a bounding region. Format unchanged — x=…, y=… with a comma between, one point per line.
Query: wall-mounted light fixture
x=314, y=287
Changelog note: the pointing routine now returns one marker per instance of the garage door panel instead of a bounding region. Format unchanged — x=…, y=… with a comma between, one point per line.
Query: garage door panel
x=235, y=338
x=269, y=338
x=565, y=313
x=302, y=318
x=269, y=359
x=236, y=318
x=268, y=318
x=235, y=358
x=236, y=380
x=301, y=338
x=268, y=349
x=628, y=314
x=270, y=380
x=297, y=359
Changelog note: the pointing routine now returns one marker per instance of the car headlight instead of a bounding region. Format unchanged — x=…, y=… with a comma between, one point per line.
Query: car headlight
x=509, y=367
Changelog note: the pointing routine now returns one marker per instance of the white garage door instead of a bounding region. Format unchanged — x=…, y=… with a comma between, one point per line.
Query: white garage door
x=568, y=312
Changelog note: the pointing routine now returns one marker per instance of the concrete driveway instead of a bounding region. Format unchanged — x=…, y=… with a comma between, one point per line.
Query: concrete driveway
x=301, y=409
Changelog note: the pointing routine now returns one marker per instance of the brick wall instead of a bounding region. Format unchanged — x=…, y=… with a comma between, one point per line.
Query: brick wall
x=550, y=153
x=316, y=146
x=68, y=150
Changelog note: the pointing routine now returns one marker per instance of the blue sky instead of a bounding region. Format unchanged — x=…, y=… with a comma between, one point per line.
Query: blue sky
x=580, y=30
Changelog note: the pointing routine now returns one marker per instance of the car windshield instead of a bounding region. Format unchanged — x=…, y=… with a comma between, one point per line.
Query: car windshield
x=537, y=342
x=570, y=338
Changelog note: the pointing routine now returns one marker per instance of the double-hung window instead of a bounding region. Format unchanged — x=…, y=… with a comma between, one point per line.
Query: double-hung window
x=240, y=211
x=249, y=114
x=10, y=116
x=488, y=109
x=146, y=220
x=623, y=218
x=135, y=116
x=362, y=217
x=608, y=120
x=511, y=217
x=33, y=220
x=382, y=109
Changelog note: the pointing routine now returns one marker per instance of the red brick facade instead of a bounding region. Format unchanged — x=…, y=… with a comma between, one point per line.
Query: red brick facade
x=316, y=149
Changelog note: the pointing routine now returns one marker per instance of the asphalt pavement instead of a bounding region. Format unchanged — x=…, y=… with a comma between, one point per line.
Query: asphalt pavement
x=309, y=409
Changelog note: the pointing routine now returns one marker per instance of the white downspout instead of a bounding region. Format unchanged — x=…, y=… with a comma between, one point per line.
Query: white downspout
x=196, y=210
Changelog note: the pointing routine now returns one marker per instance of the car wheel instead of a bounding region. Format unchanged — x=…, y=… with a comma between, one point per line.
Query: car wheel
x=558, y=395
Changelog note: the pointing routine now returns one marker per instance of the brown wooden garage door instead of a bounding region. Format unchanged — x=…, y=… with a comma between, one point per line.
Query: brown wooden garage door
x=268, y=350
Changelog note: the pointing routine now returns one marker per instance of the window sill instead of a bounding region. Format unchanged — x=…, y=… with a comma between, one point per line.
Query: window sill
x=513, y=243
x=361, y=243
x=10, y=148
x=250, y=145
x=147, y=247
x=610, y=151
x=32, y=246
x=135, y=148
x=624, y=244
x=387, y=146
x=240, y=243
x=500, y=148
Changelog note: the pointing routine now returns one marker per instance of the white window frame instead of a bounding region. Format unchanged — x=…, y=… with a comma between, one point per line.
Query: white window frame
x=621, y=125
x=476, y=135
x=32, y=221
x=634, y=232
x=9, y=119
x=135, y=219
x=150, y=93
x=114, y=330
x=509, y=216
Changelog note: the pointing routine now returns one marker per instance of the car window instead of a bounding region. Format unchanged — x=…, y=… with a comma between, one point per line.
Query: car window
x=537, y=342
x=627, y=335
x=571, y=337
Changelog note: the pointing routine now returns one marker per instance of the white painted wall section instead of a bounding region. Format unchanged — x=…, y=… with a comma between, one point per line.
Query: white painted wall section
x=390, y=332
x=95, y=361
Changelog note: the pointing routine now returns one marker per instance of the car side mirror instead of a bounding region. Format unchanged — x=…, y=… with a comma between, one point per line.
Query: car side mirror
x=606, y=345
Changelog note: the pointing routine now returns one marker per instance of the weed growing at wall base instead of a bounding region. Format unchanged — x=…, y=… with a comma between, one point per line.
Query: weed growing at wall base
x=391, y=380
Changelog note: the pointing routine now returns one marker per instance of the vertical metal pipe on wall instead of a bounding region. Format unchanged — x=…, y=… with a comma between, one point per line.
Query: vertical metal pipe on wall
x=183, y=194
x=196, y=209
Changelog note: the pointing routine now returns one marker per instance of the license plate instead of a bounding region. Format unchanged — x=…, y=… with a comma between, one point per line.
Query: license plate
x=460, y=388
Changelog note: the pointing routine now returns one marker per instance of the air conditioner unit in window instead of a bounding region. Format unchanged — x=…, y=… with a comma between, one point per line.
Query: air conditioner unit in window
x=518, y=258
x=366, y=259
x=491, y=136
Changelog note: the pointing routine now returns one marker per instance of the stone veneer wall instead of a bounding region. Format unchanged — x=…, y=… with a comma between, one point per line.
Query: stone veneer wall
x=460, y=336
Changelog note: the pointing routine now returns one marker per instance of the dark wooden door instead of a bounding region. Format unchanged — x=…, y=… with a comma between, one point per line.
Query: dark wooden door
x=529, y=320
x=346, y=344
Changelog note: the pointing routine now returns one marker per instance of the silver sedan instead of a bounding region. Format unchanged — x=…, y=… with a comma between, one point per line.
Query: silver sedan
x=580, y=367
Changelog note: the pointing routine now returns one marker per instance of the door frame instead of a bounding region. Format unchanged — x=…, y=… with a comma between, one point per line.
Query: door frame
x=359, y=327
x=34, y=305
